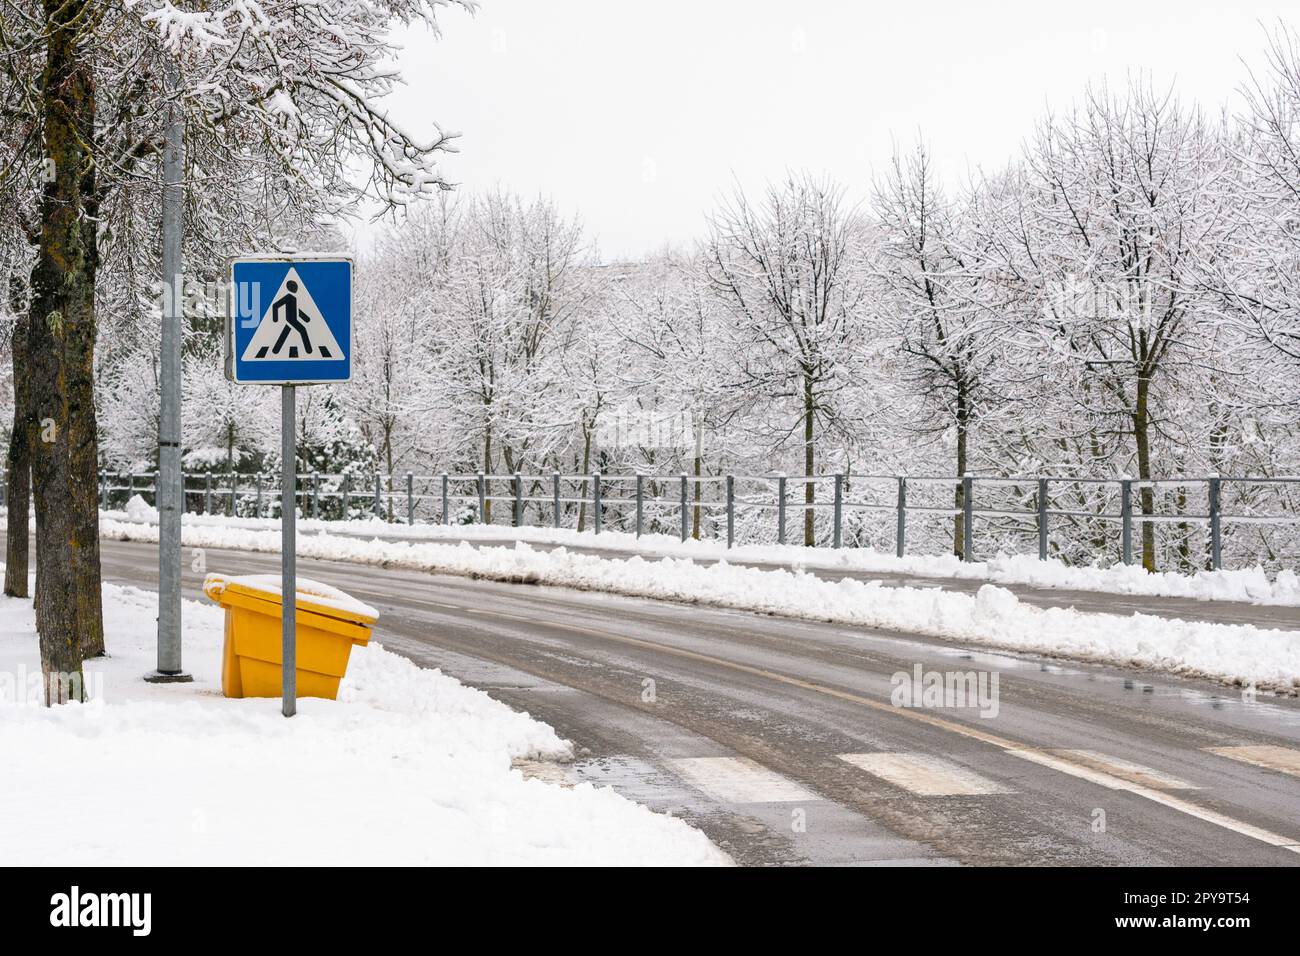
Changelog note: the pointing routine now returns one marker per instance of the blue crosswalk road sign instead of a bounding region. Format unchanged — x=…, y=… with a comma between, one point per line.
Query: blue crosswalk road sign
x=290, y=320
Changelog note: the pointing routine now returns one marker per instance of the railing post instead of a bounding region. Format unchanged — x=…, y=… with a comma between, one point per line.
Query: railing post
x=347, y=496
x=900, y=531
x=1216, y=542
x=257, y=504
x=595, y=500
x=555, y=496
x=234, y=491
x=780, y=509
x=410, y=498
x=1042, y=519
x=379, y=508
x=482, y=499
x=839, y=509
x=103, y=490
x=731, y=510
x=1126, y=519
x=640, y=502
x=685, y=516
x=519, y=499
x=446, y=513
x=315, y=494
x=207, y=492
x=967, y=509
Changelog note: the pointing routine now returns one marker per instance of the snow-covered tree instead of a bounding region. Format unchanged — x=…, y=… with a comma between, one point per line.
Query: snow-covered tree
x=937, y=299
x=785, y=269
x=1121, y=199
x=282, y=102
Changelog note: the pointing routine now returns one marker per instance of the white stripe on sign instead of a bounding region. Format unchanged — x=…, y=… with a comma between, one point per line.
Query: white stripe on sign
x=739, y=780
x=924, y=775
x=1126, y=770
x=1282, y=759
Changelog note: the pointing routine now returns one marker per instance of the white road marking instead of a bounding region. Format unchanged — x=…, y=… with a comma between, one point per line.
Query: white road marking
x=1068, y=766
x=739, y=780
x=1015, y=748
x=924, y=775
x=1282, y=759
x=1126, y=770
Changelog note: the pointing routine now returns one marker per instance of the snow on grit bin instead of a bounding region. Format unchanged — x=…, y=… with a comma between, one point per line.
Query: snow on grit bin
x=328, y=624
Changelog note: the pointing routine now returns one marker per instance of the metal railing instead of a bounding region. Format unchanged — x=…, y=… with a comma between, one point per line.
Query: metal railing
x=710, y=505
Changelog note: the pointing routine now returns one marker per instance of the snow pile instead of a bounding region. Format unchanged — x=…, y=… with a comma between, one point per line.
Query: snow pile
x=137, y=509
x=409, y=767
x=1251, y=585
x=1233, y=653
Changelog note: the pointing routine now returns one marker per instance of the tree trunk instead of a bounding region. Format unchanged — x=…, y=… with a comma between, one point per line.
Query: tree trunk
x=809, y=463
x=1146, y=497
x=586, y=464
x=695, y=510
x=1184, y=533
x=83, y=430
x=388, y=458
x=56, y=333
x=486, y=516
x=19, y=477
x=231, y=480
x=963, y=426
x=508, y=458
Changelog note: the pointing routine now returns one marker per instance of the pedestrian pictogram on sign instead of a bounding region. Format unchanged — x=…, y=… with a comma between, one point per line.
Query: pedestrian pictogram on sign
x=292, y=328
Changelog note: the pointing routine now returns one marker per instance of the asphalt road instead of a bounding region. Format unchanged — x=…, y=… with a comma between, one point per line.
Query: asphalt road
x=778, y=738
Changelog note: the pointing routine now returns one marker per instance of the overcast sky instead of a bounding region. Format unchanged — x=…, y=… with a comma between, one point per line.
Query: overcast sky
x=638, y=115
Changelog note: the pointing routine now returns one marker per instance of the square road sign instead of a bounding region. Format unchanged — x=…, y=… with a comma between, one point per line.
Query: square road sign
x=290, y=320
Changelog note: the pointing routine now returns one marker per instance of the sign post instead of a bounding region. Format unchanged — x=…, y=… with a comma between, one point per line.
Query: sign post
x=288, y=555
x=289, y=324
x=169, y=490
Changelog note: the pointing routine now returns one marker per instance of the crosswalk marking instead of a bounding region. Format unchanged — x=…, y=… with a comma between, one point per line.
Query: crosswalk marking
x=739, y=780
x=1283, y=759
x=1126, y=770
x=1006, y=744
x=924, y=775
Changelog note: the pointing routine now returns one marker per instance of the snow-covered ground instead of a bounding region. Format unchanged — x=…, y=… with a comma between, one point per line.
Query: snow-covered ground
x=1252, y=585
x=407, y=767
x=1239, y=654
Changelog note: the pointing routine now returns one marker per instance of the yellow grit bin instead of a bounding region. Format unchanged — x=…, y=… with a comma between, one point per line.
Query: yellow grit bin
x=329, y=623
